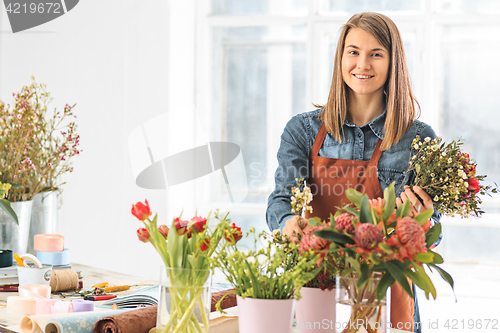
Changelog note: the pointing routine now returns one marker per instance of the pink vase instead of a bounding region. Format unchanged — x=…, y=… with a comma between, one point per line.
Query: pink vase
x=315, y=311
x=265, y=315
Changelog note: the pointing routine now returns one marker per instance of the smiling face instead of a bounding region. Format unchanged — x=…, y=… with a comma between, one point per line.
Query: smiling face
x=365, y=63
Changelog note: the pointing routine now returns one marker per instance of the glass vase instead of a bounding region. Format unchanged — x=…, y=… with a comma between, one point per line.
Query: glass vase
x=185, y=300
x=358, y=309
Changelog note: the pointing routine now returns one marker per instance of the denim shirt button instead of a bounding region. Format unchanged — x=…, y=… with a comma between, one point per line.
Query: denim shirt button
x=360, y=135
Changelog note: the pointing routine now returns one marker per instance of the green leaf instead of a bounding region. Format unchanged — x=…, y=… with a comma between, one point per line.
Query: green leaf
x=437, y=258
x=386, y=281
x=403, y=210
x=425, y=257
x=398, y=274
x=421, y=271
x=5, y=205
x=365, y=275
x=353, y=211
x=421, y=282
x=334, y=236
x=447, y=277
x=424, y=216
x=314, y=221
x=365, y=214
x=390, y=201
x=355, y=264
x=354, y=196
x=432, y=234
x=386, y=248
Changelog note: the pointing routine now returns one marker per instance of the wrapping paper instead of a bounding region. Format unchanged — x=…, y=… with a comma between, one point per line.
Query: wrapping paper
x=136, y=321
x=81, y=322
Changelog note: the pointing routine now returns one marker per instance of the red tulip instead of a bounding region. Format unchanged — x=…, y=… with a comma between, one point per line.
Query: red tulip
x=198, y=224
x=180, y=226
x=205, y=244
x=143, y=235
x=163, y=230
x=233, y=234
x=473, y=185
x=141, y=211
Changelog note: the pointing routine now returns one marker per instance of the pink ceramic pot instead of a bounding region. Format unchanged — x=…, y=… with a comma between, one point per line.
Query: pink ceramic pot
x=315, y=311
x=265, y=315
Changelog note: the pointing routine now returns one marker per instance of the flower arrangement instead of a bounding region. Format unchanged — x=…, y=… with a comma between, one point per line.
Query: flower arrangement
x=276, y=271
x=378, y=240
x=186, y=248
x=37, y=145
x=328, y=262
x=448, y=175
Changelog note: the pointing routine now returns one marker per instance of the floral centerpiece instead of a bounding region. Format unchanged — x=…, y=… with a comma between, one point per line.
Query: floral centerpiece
x=382, y=245
x=448, y=175
x=185, y=248
x=37, y=145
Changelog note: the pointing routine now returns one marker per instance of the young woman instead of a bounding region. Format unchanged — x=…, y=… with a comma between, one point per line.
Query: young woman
x=361, y=138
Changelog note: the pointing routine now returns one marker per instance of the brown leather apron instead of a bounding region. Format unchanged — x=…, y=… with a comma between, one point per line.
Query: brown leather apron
x=328, y=180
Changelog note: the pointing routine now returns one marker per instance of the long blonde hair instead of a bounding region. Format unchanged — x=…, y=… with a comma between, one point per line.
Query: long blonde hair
x=401, y=110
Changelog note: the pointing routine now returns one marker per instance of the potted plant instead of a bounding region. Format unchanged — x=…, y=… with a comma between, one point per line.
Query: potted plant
x=185, y=280
x=266, y=281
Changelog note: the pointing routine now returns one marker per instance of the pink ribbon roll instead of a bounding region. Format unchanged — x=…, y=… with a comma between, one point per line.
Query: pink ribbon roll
x=48, y=243
x=35, y=290
x=44, y=305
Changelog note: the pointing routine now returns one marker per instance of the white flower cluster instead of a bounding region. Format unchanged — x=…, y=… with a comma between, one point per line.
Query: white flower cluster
x=300, y=199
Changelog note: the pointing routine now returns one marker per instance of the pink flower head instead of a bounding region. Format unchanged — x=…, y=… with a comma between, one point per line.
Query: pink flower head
x=143, y=235
x=164, y=230
x=310, y=241
x=233, y=234
x=343, y=223
x=198, y=224
x=367, y=236
x=411, y=236
x=379, y=204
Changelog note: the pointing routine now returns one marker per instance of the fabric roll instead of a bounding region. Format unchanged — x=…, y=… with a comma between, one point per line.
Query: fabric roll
x=228, y=301
x=136, y=321
x=82, y=305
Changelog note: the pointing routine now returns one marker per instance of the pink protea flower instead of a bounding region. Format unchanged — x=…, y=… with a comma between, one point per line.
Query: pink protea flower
x=367, y=236
x=343, y=223
x=379, y=204
x=411, y=236
x=310, y=241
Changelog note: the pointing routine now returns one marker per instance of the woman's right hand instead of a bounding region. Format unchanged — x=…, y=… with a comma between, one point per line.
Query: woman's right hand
x=293, y=229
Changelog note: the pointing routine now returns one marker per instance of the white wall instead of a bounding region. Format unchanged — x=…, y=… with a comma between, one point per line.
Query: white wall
x=117, y=61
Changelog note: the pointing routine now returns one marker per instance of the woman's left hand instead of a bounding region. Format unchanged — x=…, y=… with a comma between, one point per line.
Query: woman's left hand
x=417, y=206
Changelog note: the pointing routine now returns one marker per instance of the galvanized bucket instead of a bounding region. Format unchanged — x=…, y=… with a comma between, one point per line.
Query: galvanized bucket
x=12, y=236
x=43, y=216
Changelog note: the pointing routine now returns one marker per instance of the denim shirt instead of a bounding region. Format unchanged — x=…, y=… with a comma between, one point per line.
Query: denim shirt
x=358, y=144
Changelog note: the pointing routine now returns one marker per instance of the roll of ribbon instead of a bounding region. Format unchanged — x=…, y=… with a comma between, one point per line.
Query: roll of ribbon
x=44, y=305
x=61, y=307
x=54, y=258
x=48, y=243
x=35, y=290
x=21, y=304
x=28, y=257
x=82, y=306
x=6, y=258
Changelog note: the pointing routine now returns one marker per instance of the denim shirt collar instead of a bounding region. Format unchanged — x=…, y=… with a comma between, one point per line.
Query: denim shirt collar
x=376, y=125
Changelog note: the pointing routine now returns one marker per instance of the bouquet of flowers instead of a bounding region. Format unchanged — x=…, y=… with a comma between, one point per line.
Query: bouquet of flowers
x=380, y=241
x=448, y=175
x=186, y=253
x=37, y=146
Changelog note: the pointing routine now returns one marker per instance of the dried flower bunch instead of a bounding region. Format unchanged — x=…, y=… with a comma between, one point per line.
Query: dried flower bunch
x=301, y=198
x=36, y=145
x=448, y=175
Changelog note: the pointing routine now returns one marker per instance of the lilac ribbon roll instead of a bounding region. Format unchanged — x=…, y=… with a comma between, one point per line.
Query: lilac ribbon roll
x=82, y=306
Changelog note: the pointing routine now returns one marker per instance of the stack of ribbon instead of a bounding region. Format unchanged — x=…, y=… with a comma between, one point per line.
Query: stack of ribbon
x=49, y=249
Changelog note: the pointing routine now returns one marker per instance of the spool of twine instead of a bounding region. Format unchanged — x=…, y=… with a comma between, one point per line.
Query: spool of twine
x=62, y=280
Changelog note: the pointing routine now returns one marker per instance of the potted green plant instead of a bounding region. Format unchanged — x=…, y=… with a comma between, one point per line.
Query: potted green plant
x=266, y=282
